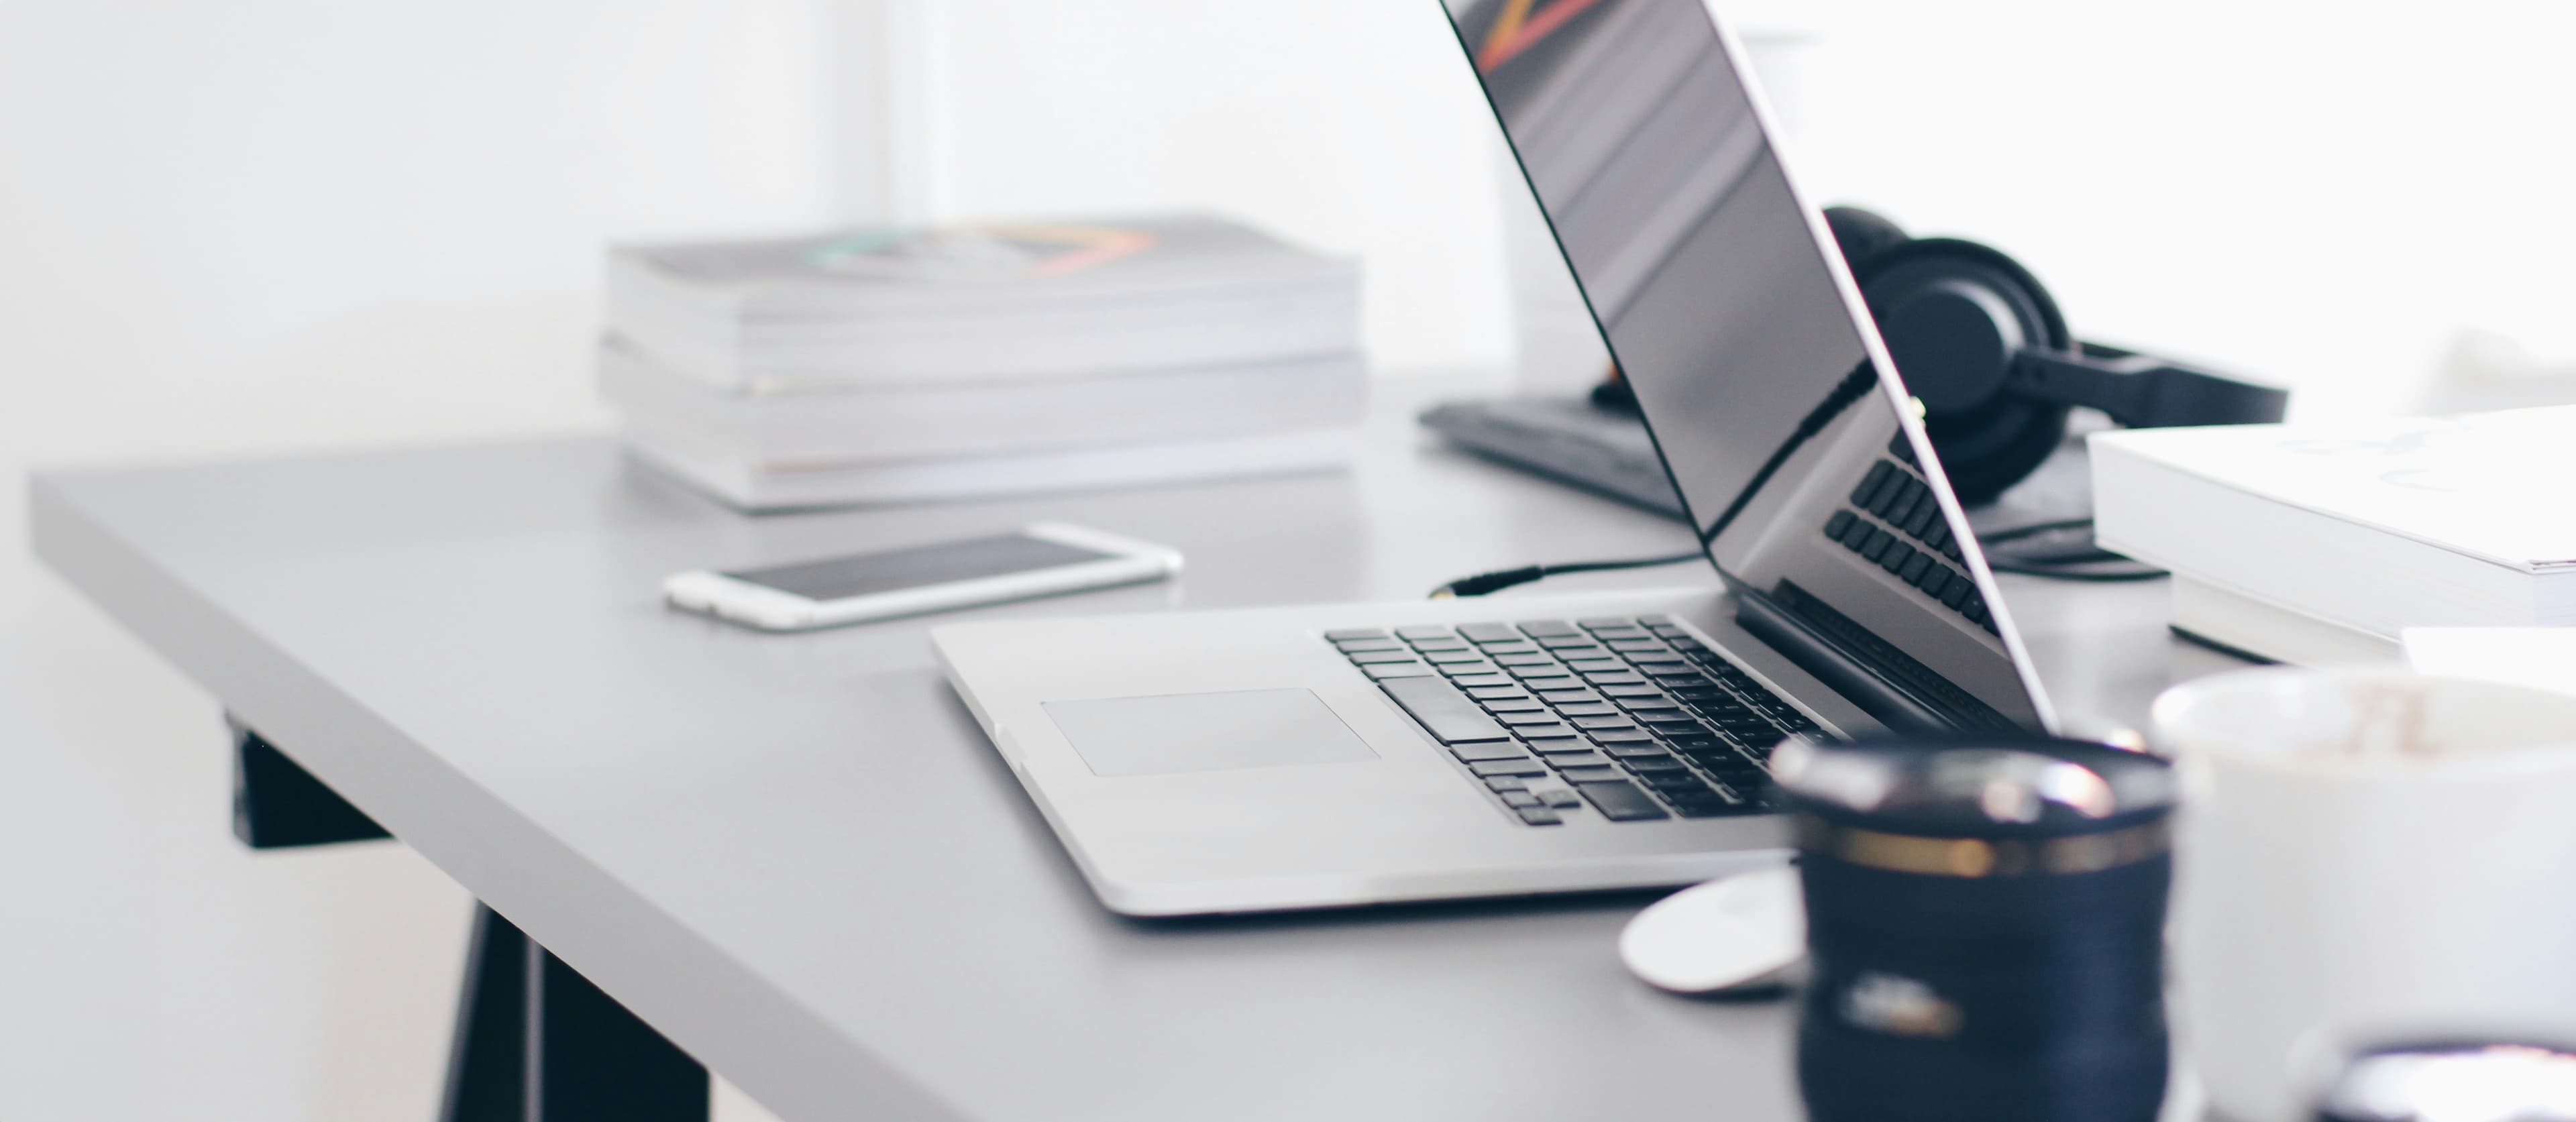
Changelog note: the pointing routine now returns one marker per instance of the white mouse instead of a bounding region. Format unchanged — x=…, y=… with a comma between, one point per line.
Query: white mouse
x=1742, y=932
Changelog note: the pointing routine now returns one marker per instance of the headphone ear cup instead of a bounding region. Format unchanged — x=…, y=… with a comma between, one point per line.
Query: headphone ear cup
x=1862, y=234
x=1987, y=439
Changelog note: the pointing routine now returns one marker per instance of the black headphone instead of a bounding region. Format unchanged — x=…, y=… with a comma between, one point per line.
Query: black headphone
x=1982, y=346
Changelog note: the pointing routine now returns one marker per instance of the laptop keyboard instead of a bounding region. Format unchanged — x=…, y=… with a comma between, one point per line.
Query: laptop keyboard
x=1896, y=524
x=1631, y=718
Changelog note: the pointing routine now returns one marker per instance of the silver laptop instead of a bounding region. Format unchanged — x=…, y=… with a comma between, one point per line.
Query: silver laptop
x=1554, y=743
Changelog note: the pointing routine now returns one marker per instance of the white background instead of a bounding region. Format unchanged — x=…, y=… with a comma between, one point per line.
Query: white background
x=270, y=225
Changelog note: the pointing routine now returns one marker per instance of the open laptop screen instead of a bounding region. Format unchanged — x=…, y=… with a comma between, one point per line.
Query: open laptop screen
x=1717, y=294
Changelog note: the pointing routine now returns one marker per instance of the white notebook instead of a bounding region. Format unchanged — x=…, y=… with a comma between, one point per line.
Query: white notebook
x=754, y=487
x=988, y=417
x=2371, y=525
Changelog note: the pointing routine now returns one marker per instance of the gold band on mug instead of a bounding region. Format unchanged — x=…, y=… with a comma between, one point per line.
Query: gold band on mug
x=1980, y=857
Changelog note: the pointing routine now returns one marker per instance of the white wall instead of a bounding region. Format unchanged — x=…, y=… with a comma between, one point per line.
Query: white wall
x=2327, y=195
x=1350, y=126
x=2335, y=197
x=272, y=224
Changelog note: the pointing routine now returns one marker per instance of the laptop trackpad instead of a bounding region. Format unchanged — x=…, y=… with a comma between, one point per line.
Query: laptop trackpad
x=1206, y=732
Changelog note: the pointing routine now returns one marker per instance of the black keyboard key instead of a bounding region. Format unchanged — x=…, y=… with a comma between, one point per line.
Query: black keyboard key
x=1560, y=798
x=1598, y=622
x=1667, y=723
x=1365, y=646
x=1636, y=646
x=1521, y=659
x=1348, y=633
x=1915, y=567
x=1562, y=746
x=1901, y=448
x=1536, y=734
x=1499, y=693
x=1492, y=750
x=1506, y=783
x=1522, y=768
x=1466, y=669
x=1424, y=631
x=1855, y=535
x=1449, y=716
x=1443, y=658
x=1576, y=695
x=1895, y=494
x=1582, y=775
x=1522, y=704
x=1877, y=544
x=1643, y=765
x=1517, y=720
x=1903, y=507
x=1563, y=760
x=1539, y=670
x=1651, y=703
x=1516, y=647
x=1620, y=801
x=1617, y=635
x=1615, y=678
x=1538, y=628
x=1878, y=473
x=1489, y=632
x=1543, y=685
x=1603, y=724
x=1589, y=664
x=1620, y=736
x=1519, y=798
x=1589, y=709
x=1445, y=646
x=1840, y=522
x=1406, y=669
x=1480, y=681
x=1925, y=514
x=1371, y=658
x=1538, y=816
x=1896, y=556
x=1577, y=640
x=1956, y=596
x=1641, y=751
x=1637, y=690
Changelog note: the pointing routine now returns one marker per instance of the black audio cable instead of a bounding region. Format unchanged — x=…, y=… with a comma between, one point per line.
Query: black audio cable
x=1483, y=583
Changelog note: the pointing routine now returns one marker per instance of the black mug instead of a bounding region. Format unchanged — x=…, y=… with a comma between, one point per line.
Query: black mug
x=1985, y=920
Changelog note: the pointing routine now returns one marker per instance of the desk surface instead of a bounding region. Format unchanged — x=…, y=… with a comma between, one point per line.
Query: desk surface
x=799, y=859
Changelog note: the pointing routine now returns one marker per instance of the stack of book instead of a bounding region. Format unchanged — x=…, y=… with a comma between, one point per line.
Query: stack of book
x=909, y=364
x=2320, y=544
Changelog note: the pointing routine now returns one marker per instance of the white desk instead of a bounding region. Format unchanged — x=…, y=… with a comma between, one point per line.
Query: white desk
x=797, y=857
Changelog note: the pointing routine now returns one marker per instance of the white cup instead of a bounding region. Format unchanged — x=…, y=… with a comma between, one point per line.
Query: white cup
x=2364, y=856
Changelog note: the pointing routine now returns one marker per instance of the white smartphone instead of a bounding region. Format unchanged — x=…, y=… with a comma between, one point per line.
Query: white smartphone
x=1040, y=560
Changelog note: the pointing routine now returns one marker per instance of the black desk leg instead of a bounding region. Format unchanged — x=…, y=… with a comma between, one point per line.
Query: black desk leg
x=536, y=1042
x=276, y=803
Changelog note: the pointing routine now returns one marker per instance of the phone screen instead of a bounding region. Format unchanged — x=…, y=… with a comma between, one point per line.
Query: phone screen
x=840, y=578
